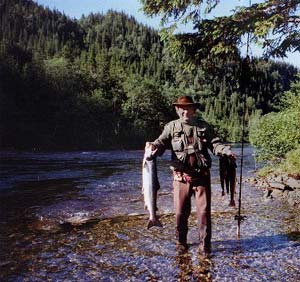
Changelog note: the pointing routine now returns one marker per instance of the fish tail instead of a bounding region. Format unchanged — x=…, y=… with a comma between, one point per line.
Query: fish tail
x=154, y=222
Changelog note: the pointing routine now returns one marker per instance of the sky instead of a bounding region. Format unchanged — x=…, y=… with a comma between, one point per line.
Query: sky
x=77, y=8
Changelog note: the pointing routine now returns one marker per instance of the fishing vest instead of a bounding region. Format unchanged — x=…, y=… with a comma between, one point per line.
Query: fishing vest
x=182, y=148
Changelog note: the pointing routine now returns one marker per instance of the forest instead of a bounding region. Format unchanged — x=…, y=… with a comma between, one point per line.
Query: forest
x=105, y=81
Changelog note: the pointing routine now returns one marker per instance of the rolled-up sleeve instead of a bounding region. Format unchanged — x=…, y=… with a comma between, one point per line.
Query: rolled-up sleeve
x=163, y=142
x=215, y=144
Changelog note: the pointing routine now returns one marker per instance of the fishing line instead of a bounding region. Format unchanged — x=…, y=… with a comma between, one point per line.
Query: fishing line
x=245, y=73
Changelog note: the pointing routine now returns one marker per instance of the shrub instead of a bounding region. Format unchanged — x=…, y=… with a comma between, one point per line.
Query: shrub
x=276, y=134
x=291, y=164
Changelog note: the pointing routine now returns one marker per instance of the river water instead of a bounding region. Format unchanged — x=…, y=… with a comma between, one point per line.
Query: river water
x=44, y=196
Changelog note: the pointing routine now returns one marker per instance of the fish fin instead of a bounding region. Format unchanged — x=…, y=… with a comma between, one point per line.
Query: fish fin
x=154, y=222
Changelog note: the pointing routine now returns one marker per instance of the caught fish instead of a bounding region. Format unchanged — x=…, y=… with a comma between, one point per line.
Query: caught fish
x=150, y=185
x=227, y=168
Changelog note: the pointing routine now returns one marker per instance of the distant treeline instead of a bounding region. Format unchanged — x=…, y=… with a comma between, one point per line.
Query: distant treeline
x=107, y=81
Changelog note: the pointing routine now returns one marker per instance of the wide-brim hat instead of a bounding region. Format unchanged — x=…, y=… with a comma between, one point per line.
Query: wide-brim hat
x=185, y=101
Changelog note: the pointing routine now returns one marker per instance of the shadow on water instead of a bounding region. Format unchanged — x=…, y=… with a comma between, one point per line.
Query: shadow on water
x=29, y=196
x=258, y=244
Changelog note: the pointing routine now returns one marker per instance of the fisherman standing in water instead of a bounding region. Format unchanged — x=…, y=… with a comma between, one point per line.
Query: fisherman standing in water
x=189, y=139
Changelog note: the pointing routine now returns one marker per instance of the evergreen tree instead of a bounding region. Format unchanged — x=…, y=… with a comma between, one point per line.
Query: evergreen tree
x=106, y=81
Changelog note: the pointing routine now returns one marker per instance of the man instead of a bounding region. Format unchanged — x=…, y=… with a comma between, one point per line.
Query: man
x=189, y=139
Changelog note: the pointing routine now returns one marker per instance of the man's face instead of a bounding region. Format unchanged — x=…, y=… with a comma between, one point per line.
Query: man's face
x=185, y=113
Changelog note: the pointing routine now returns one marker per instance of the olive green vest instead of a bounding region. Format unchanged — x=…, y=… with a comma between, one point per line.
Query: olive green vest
x=181, y=147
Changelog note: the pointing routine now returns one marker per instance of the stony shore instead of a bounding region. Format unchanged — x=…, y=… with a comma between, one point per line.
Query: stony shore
x=280, y=186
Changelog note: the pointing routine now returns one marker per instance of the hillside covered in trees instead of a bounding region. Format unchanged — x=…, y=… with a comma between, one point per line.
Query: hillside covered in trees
x=107, y=81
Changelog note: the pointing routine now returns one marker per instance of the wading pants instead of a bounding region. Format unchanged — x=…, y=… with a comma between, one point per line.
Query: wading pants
x=183, y=191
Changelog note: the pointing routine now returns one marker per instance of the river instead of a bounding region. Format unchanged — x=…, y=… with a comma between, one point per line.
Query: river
x=42, y=193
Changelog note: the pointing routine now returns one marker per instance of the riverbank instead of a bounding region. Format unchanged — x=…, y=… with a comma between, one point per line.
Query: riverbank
x=280, y=187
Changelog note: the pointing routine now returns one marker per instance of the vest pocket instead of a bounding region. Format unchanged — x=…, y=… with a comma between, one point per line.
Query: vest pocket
x=201, y=132
x=177, y=141
x=177, y=145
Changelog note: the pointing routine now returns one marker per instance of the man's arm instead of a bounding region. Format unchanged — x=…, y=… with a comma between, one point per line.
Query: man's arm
x=217, y=147
x=163, y=141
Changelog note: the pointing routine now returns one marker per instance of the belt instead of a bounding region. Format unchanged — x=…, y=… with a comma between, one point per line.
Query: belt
x=188, y=178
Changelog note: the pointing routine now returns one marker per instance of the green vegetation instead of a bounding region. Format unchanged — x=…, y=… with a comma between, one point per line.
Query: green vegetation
x=106, y=81
x=271, y=23
x=291, y=164
x=277, y=135
x=214, y=41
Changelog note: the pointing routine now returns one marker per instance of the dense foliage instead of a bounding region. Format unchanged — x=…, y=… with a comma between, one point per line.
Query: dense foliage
x=106, y=81
x=271, y=23
x=275, y=134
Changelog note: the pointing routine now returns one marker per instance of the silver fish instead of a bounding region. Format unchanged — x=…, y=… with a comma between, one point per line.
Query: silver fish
x=150, y=186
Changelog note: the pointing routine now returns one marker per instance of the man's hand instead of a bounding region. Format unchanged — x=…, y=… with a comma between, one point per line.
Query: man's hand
x=227, y=152
x=232, y=156
x=153, y=147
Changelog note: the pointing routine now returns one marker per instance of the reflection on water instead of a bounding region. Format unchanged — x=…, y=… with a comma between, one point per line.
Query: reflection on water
x=42, y=194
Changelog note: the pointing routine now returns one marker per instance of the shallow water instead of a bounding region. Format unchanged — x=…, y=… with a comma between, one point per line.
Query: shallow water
x=41, y=192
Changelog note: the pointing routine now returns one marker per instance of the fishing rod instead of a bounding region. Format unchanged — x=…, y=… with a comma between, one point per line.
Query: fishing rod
x=244, y=75
x=240, y=217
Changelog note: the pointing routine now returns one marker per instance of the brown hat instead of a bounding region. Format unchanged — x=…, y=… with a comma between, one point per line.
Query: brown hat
x=185, y=101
